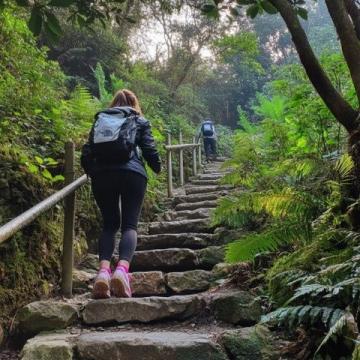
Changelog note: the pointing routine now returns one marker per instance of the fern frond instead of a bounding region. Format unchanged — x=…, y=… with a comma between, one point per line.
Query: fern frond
x=304, y=315
x=269, y=240
x=346, y=321
x=309, y=290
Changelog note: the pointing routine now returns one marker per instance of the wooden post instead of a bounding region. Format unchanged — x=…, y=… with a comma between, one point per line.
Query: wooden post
x=199, y=155
x=181, y=161
x=69, y=224
x=194, y=157
x=169, y=167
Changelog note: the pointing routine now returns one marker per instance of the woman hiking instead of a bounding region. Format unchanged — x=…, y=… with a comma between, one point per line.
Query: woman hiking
x=111, y=158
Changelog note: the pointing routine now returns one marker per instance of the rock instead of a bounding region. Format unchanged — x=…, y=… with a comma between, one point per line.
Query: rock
x=182, y=226
x=196, y=198
x=148, y=346
x=54, y=346
x=211, y=256
x=236, y=307
x=91, y=262
x=44, y=315
x=205, y=182
x=191, y=214
x=82, y=279
x=143, y=227
x=122, y=310
x=223, y=269
x=164, y=260
x=206, y=189
x=189, y=281
x=148, y=283
x=164, y=241
x=210, y=204
x=252, y=343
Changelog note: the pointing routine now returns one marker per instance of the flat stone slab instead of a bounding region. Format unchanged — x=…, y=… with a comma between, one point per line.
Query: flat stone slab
x=189, y=281
x=236, y=307
x=197, y=198
x=210, y=204
x=155, y=308
x=148, y=283
x=202, y=182
x=163, y=241
x=174, y=259
x=52, y=346
x=210, y=256
x=182, y=226
x=189, y=190
x=158, y=345
x=44, y=316
x=202, y=213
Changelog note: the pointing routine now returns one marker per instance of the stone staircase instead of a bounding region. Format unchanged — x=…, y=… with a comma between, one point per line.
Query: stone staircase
x=178, y=311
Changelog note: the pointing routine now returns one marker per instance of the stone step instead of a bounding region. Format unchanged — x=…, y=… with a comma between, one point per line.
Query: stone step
x=208, y=171
x=157, y=343
x=189, y=190
x=188, y=282
x=187, y=240
x=198, y=197
x=177, y=259
x=202, y=213
x=209, y=204
x=202, y=182
x=213, y=176
x=182, y=226
x=165, y=260
x=143, y=310
x=160, y=345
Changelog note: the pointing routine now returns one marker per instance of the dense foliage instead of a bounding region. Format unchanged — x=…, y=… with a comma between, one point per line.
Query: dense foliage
x=293, y=176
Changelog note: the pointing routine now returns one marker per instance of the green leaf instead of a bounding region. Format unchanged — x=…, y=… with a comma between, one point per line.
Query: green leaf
x=268, y=7
x=61, y=3
x=46, y=174
x=33, y=168
x=2, y=4
x=253, y=10
x=303, y=13
x=39, y=160
x=36, y=21
x=53, y=24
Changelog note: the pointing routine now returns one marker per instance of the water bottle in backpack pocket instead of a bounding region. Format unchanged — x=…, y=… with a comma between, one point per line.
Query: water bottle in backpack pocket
x=113, y=137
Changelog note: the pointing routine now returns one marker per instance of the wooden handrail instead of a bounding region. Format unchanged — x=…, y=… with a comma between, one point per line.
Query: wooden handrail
x=67, y=193
x=196, y=156
x=18, y=223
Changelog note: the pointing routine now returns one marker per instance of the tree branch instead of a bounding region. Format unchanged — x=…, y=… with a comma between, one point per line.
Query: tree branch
x=350, y=44
x=339, y=107
x=354, y=12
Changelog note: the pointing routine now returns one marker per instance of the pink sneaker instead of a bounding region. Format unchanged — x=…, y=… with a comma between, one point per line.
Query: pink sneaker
x=120, y=283
x=101, y=288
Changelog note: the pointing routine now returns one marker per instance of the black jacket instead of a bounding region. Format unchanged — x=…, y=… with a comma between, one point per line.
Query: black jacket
x=144, y=141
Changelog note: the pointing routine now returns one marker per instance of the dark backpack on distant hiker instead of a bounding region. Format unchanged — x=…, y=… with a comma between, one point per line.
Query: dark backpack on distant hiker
x=208, y=129
x=112, y=138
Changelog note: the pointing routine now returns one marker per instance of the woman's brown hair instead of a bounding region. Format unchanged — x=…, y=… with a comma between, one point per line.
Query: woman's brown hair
x=126, y=97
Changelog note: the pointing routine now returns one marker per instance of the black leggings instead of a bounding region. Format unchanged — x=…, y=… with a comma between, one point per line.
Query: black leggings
x=109, y=188
x=209, y=147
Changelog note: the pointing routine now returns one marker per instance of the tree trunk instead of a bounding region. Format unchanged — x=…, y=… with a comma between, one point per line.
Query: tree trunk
x=350, y=43
x=339, y=107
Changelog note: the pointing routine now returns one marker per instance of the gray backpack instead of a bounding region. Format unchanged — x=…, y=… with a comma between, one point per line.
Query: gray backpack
x=113, y=135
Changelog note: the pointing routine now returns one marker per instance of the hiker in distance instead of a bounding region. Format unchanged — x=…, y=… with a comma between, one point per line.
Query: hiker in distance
x=112, y=159
x=208, y=133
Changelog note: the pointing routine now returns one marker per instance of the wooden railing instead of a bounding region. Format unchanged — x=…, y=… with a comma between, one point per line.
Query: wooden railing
x=68, y=193
x=170, y=149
